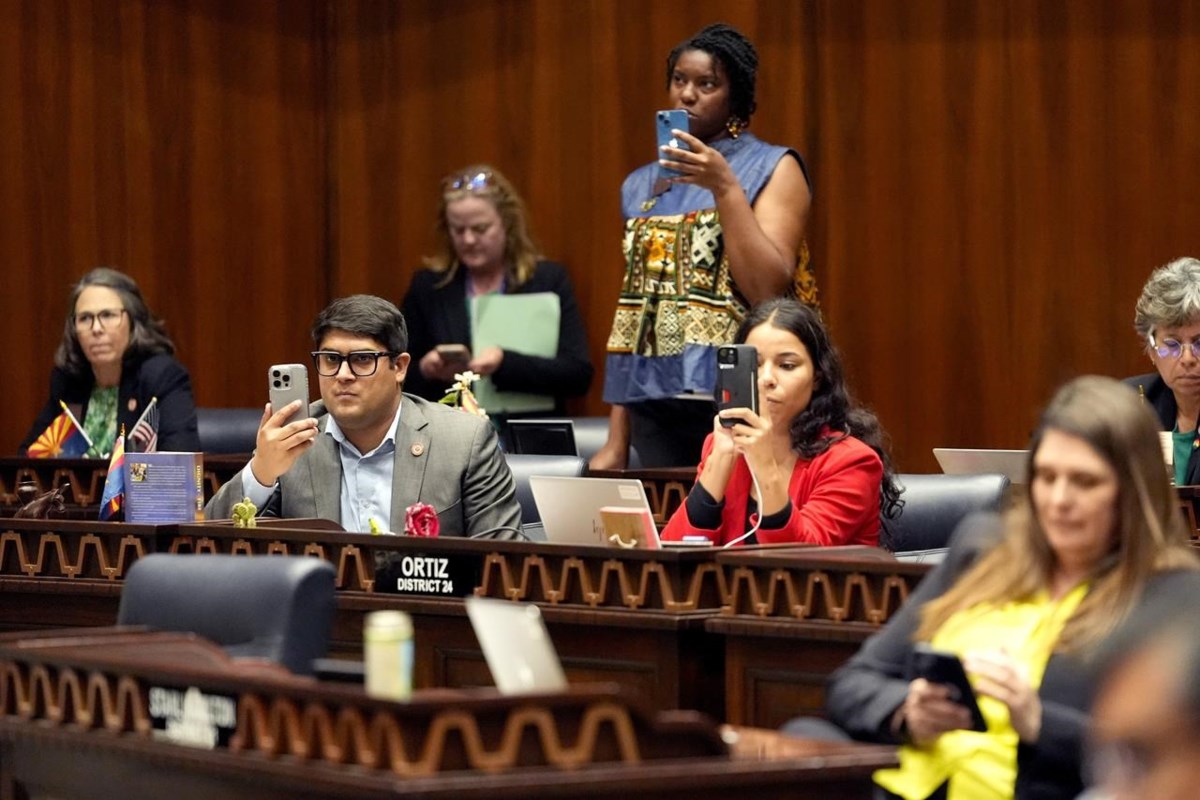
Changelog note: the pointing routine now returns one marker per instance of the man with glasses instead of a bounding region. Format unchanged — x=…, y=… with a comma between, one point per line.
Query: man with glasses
x=1167, y=320
x=370, y=451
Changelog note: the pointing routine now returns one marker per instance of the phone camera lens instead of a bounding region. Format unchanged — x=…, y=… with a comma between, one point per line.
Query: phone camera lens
x=275, y=383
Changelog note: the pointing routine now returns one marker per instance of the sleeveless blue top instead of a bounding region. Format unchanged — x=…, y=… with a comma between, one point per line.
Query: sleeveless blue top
x=678, y=301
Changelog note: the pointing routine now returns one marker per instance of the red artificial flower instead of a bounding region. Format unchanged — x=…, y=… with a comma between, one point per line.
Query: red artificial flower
x=421, y=520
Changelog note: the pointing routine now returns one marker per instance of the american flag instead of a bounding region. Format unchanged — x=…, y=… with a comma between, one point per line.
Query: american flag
x=144, y=436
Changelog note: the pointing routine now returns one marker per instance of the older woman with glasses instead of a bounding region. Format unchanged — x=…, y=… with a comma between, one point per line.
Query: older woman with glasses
x=114, y=359
x=1167, y=319
x=485, y=248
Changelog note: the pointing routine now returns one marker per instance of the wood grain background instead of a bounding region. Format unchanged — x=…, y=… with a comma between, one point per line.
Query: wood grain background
x=993, y=180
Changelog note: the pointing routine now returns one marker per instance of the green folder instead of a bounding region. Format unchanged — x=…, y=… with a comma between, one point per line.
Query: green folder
x=521, y=323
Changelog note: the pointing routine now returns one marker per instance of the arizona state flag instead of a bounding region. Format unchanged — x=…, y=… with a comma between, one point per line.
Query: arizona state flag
x=113, y=499
x=63, y=438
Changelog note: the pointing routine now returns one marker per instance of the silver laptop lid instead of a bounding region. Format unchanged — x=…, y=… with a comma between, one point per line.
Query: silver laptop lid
x=570, y=507
x=516, y=645
x=963, y=461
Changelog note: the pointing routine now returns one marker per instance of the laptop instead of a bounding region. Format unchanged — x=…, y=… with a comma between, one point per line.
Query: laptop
x=516, y=645
x=571, y=508
x=960, y=461
x=549, y=437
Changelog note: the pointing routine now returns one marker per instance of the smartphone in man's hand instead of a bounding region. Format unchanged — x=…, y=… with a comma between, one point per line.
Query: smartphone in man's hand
x=285, y=383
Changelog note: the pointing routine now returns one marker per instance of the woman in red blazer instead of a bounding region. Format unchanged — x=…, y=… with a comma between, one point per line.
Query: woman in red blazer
x=818, y=460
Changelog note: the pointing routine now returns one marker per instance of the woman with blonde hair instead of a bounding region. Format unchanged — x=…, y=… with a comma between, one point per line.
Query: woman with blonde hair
x=1024, y=601
x=485, y=247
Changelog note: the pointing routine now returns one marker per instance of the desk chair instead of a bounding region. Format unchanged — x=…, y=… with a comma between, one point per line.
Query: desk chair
x=278, y=608
x=228, y=430
x=935, y=504
x=524, y=466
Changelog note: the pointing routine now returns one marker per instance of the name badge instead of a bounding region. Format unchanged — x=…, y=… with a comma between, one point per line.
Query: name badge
x=192, y=717
x=440, y=575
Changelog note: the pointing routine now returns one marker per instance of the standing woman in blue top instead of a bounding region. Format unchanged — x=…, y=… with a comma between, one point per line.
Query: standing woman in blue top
x=114, y=357
x=700, y=249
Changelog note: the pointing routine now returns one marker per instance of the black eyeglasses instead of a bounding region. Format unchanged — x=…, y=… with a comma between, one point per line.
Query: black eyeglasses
x=363, y=363
x=107, y=317
x=468, y=182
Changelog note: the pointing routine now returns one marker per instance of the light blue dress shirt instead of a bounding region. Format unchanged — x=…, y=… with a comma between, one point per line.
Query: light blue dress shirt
x=366, y=480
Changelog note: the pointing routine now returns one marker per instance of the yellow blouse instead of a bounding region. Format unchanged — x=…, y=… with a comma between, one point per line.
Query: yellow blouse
x=983, y=766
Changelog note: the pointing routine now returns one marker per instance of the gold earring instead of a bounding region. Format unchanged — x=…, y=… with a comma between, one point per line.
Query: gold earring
x=735, y=126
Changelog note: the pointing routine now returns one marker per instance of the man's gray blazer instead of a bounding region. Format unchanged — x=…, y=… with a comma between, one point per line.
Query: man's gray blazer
x=446, y=458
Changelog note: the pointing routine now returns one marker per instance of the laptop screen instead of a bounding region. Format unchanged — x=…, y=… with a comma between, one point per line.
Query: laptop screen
x=962, y=461
x=579, y=510
x=548, y=437
x=516, y=646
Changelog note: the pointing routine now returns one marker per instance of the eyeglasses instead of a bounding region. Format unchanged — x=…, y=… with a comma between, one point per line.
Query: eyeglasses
x=363, y=363
x=1172, y=348
x=469, y=182
x=107, y=317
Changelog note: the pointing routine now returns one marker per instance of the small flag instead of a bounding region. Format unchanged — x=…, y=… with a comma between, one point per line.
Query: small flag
x=63, y=438
x=114, y=485
x=143, y=438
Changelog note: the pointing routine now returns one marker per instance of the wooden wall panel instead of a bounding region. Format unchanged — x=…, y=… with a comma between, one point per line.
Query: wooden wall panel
x=182, y=142
x=993, y=181
x=1006, y=175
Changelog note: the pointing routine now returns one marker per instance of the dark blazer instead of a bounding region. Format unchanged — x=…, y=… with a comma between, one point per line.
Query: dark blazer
x=447, y=458
x=158, y=376
x=439, y=316
x=1162, y=400
x=863, y=695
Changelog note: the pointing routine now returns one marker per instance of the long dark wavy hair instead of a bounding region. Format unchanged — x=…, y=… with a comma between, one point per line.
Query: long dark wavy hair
x=831, y=406
x=147, y=334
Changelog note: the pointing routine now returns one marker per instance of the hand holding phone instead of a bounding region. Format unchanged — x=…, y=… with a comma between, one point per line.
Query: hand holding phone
x=737, y=379
x=665, y=123
x=457, y=354
x=285, y=383
x=945, y=668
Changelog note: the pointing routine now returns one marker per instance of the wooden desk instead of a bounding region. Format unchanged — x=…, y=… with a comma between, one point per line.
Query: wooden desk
x=793, y=616
x=746, y=636
x=80, y=720
x=83, y=479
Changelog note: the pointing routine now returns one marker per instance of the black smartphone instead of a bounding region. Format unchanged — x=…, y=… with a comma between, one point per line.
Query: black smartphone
x=285, y=383
x=737, y=379
x=664, y=123
x=939, y=666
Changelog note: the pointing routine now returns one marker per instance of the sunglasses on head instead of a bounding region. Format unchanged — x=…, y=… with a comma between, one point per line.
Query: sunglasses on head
x=469, y=182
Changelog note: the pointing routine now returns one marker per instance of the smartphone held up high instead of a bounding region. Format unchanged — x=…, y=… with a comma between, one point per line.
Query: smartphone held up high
x=737, y=379
x=285, y=383
x=666, y=122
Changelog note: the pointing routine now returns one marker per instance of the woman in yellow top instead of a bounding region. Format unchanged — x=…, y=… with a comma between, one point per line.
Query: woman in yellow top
x=1023, y=601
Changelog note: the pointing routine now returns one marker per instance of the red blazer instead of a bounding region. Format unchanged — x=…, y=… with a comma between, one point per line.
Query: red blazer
x=835, y=500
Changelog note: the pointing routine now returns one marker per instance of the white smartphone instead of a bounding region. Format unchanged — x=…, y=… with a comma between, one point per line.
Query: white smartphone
x=285, y=383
